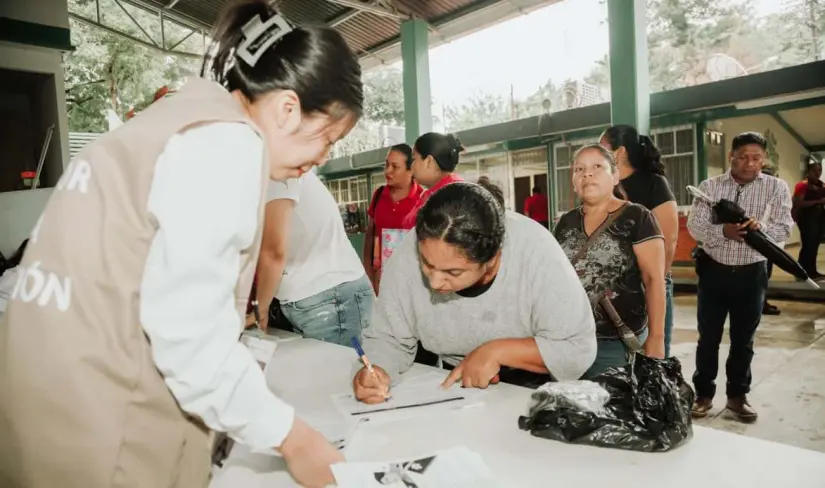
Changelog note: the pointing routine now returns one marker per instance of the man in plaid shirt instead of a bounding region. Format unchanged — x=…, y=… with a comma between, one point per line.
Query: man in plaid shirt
x=732, y=276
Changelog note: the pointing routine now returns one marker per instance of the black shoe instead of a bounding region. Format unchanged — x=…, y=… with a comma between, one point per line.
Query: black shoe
x=768, y=309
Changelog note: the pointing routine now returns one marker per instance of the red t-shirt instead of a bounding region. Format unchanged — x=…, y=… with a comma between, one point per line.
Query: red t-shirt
x=391, y=215
x=535, y=207
x=801, y=189
x=409, y=220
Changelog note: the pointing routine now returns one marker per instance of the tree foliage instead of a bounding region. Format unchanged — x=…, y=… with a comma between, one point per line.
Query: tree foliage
x=108, y=72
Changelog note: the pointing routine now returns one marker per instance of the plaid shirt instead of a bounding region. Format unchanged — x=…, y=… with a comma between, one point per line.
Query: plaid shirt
x=766, y=198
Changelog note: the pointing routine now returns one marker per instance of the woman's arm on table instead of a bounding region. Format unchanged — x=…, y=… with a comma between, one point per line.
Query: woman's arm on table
x=187, y=299
x=565, y=332
x=391, y=338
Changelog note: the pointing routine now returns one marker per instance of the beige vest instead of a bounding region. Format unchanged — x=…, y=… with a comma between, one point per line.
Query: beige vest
x=81, y=403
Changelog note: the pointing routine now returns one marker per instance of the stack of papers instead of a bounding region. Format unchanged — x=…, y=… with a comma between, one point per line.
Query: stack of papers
x=458, y=467
x=412, y=398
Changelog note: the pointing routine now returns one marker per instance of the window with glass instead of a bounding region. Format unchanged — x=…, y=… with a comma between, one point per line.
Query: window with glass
x=495, y=167
x=565, y=198
x=677, y=146
x=468, y=169
x=352, y=196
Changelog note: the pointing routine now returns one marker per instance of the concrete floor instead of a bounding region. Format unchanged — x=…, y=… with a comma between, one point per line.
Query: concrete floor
x=788, y=388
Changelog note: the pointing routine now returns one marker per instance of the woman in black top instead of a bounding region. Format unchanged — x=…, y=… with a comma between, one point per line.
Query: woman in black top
x=642, y=175
x=625, y=262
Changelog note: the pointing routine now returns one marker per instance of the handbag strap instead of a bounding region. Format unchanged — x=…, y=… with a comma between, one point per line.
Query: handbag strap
x=596, y=233
x=377, y=197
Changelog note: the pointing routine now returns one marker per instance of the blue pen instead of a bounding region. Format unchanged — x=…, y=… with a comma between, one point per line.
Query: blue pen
x=362, y=355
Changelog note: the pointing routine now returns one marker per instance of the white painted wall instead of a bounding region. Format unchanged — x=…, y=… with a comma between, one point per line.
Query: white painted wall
x=19, y=211
x=47, y=12
x=789, y=150
x=41, y=60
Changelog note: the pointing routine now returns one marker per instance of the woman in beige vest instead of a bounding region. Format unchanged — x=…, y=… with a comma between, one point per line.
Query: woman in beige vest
x=119, y=347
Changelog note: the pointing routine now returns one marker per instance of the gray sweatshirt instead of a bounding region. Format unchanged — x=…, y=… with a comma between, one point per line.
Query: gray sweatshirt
x=535, y=294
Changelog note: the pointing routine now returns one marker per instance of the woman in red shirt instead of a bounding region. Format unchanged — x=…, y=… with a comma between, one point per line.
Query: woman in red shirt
x=389, y=205
x=435, y=157
x=809, y=214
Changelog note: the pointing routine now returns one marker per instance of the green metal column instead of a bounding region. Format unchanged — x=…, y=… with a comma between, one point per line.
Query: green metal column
x=701, y=153
x=629, y=77
x=415, y=59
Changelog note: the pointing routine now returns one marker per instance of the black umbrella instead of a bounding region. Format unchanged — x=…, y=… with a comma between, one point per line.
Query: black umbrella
x=728, y=212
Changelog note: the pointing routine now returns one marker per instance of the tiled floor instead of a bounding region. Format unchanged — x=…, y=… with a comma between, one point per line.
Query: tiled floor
x=788, y=373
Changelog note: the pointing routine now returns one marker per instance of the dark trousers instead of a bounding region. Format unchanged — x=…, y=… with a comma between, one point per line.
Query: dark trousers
x=738, y=291
x=769, y=274
x=810, y=233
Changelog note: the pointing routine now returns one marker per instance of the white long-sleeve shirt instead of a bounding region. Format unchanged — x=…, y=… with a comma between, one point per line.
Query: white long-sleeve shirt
x=205, y=196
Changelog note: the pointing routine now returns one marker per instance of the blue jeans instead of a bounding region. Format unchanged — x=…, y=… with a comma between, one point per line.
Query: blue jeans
x=668, y=312
x=610, y=353
x=335, y=315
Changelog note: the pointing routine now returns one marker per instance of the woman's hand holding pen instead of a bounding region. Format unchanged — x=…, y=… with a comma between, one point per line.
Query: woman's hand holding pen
x=371, y=387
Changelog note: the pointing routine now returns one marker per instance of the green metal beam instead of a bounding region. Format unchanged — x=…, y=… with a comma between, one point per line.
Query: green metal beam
x=32, y=34
x=415, y=59
x=535, y=131
x=790, y=130
x=730, y=111
x=629, y=78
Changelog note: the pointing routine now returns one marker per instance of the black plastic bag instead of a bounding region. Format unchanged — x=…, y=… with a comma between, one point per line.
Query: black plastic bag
x=640, y=407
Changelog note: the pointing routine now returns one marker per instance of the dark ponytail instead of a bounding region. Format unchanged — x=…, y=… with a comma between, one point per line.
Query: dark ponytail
x=467, y=216
x=494, y=189
x=444, y=148
x=314, y=62
x=641, y=150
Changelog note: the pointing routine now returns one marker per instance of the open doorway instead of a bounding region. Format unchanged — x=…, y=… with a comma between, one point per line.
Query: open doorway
x=28, y=107
x=523, y=188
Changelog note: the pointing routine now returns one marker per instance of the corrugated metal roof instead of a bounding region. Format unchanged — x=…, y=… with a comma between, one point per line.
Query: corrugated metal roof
x=363, y=31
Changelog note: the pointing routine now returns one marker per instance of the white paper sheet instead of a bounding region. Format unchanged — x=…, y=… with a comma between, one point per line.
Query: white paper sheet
x=336, y=428
x=412, y=397
x=458, y=467
x=262, y=349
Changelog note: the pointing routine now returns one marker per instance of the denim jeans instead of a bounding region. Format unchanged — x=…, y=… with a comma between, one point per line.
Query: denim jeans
x=668, y=312
x=610, y=353
x=335, y=315
x=738, y=292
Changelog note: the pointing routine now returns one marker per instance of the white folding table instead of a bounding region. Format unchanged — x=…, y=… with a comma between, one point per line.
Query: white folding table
x=306, y=372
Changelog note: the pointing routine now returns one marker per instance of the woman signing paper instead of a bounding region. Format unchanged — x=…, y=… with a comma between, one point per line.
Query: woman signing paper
x=120, y=342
